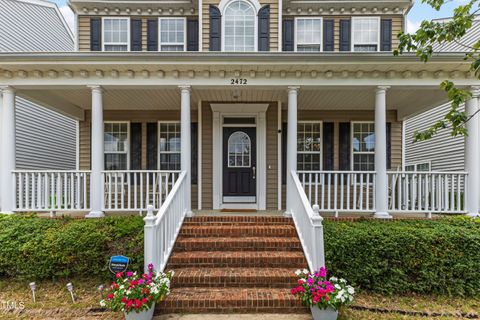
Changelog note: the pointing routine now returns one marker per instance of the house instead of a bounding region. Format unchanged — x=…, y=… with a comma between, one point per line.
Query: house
x=38, y=26
x=443, y=152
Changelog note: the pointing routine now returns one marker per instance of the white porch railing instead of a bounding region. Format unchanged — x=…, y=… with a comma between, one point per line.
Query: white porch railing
x=51, y=190
x=439, y=192
x=161, y=230
x=340, y=191
x=308, y=224
x=135, y=190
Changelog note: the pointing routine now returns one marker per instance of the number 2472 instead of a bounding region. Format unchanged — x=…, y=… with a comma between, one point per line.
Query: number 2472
x=238, y=81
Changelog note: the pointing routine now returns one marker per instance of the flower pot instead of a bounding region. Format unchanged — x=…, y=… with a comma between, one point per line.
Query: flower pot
x=323, y=314
x=143, y=315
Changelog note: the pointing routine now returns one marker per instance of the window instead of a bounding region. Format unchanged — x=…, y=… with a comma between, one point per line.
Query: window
x=239, y=149
x=169, y=145
x=363, y=146
x=172, y=34
x=365, y=33
x=421, y=167
x=239, y=27
x=309, y=146
x=308, y=35
x=116, y=34
x=116, y=143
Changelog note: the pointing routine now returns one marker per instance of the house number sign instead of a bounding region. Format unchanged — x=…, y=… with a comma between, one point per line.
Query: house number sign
x=238, y=81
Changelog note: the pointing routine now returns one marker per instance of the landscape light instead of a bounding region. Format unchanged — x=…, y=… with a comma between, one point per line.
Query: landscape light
x=70, y=289
x=33, y=287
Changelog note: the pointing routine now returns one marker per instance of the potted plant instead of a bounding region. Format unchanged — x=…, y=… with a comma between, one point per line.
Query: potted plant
x=136, y=295
x=324, y=296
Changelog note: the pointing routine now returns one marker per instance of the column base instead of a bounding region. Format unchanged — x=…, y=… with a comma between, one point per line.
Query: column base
x=382, y=215
x=189, y=214
x=473, y=215
x=95, y=214
x=7, y=212
x=287, y=214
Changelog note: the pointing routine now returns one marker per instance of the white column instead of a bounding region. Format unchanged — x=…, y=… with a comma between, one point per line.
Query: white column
x=97, y=156
x=472, y=154
x=7, y=150
x=291, y=144
x=186, y=143
x=381, y=184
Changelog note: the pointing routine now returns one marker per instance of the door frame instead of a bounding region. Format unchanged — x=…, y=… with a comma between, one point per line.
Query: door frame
x=257, y=111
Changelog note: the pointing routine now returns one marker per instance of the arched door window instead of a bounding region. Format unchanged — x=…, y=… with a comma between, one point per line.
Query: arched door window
x=239, y=150
x=239, y=26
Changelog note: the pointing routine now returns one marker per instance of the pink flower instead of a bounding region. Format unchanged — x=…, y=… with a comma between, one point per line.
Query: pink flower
x=118, y=275
x=150, y=267
x=323, y=272
x=129, y=303
x=110, y=296
x=129, y=273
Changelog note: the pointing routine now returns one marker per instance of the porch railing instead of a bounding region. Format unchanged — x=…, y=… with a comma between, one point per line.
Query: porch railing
x=45, y=190
x=438, y=192
x=161, y=230
x=308, y=224
x=135, y=190
x=340, y=191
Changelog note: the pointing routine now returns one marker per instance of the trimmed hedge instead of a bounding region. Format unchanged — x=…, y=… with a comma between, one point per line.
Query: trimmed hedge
x=394, y=257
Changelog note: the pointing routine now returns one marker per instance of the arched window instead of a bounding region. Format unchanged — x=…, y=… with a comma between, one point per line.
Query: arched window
x=239, y=26
x=239, y=150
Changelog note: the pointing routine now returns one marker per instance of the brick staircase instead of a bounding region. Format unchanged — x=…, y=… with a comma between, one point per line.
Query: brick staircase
x=235, y=264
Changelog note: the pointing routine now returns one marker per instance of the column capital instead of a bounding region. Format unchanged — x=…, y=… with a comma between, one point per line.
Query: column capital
x=7, y=89
x=96, y=88
x=185, y=87
x=293, y=89
x=381, y=88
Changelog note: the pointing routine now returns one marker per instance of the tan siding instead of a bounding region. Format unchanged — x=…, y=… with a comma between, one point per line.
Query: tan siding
x=272, y=157
x=84, y=33
x=207, y=155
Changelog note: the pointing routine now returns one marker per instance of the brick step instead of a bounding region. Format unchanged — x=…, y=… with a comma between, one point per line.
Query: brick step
x=239, y=231
x=239, y=243
x=237, y=219
x=218, y=259
x=234, y=223
x=230, y=300
x=235, y=277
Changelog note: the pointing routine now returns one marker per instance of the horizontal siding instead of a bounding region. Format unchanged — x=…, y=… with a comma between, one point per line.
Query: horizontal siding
x=445, y=152
x=32, y=27
x=44, y=138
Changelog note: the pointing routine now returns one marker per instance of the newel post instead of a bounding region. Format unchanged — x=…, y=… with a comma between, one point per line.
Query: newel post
x=149, y=239
x=318, y=257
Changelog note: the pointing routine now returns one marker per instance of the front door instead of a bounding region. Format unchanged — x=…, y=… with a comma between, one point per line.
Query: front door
x=239, y=165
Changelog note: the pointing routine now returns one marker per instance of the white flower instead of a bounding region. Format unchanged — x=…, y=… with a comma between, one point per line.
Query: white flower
x=298, y=272
x=102, y=303
x=337, y=286
x=305, y=271
x=350, y=290
x=333, y=279
x=343, y=281
x=128, y=292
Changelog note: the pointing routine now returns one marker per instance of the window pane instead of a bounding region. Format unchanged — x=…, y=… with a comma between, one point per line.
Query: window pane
x=169, y=146
x=309, y=31
x=239, y=27
x=309, y=146
x=239, y=148
x=172, y=34
x=365, y=34
x=115, y=34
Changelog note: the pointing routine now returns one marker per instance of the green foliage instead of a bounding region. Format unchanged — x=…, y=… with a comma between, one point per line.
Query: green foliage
x=408, y=256
x=433, y=33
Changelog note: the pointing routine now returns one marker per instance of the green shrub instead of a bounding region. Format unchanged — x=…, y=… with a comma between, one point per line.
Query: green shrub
x=406, y=256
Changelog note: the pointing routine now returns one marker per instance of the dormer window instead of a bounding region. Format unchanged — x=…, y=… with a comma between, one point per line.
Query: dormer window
x=172, y=34
x=365, y=33
x=240, y=27
x=308, y=36
x=115, y=34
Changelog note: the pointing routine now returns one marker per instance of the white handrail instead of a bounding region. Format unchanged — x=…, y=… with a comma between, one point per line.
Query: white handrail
x=51, y=190
x=308, y=224
x=162, y=229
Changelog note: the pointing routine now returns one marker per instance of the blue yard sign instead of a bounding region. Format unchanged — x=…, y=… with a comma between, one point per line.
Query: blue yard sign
x=118, y=264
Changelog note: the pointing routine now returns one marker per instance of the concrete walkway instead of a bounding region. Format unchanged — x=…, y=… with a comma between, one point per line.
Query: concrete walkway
x=234, y=316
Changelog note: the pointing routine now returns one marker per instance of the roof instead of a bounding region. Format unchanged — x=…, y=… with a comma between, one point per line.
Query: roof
x=465, y=43
x=33, y=25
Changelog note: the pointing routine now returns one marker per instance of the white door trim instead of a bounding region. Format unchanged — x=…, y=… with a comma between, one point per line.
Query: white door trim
x=239, y=109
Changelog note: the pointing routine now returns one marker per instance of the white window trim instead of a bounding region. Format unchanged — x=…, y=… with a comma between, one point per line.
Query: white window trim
x=119, y=152
x=176, y=43
x=352, y=31
x=158, y=141
x=296, y=29
x=255, y=6
x=321, y=142
x=118, y=43
x=352, y=152
x=418, y=163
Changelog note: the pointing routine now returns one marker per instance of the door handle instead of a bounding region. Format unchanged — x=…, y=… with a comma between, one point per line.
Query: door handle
x=254, y=172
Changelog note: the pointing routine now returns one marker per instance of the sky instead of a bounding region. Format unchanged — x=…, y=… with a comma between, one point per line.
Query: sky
x=417, y=14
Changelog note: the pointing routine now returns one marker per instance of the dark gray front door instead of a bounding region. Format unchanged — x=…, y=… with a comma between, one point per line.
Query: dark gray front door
x=239, y=164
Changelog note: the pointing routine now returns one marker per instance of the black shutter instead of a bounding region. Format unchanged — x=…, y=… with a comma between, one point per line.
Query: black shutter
x=344, y=146
x=345, y=35
x=215, y=29
x=136, y=34
x=284, y=153
x=135, y=146
x=288, y=35
x=386, y=35
x=152, y=35
x=152, y=146
x=328, y=146
x=328, y=37
x=96, y=34
x=192, y=35
x=194, y=152
x=389, y=145
x=264, y=28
